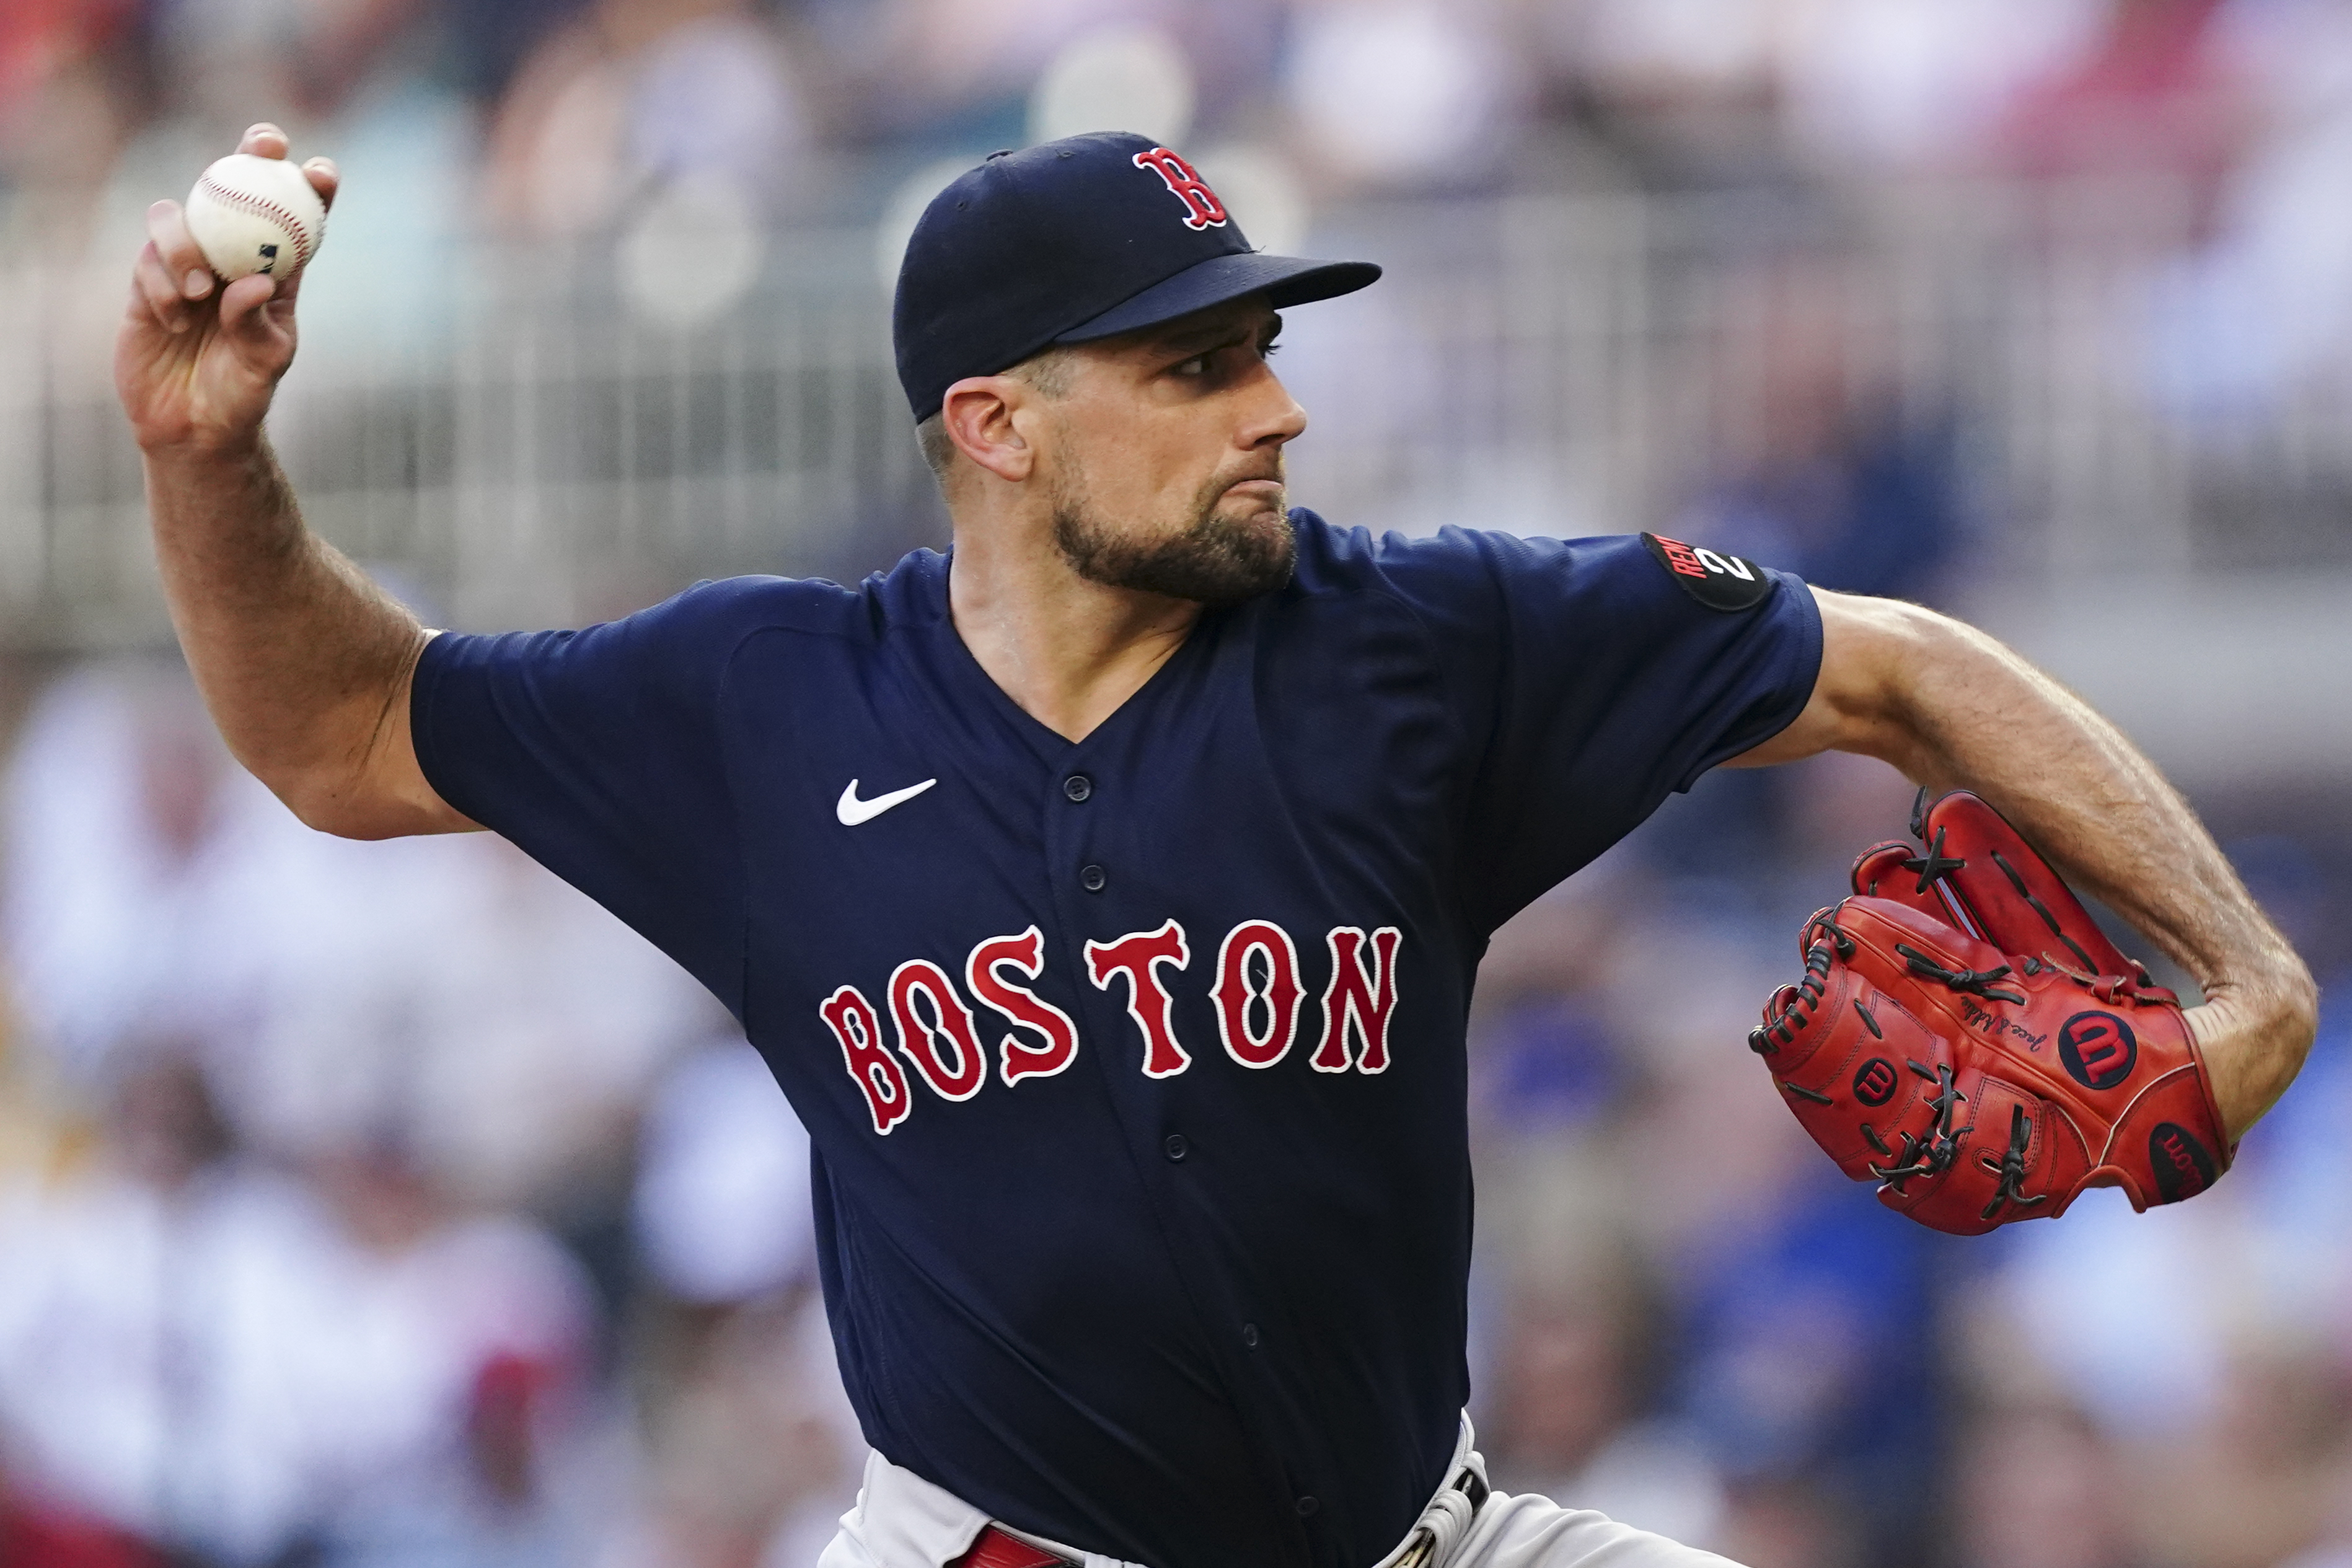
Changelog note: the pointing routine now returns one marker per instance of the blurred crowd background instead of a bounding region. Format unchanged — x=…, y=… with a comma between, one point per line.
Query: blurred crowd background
x=389, y=1205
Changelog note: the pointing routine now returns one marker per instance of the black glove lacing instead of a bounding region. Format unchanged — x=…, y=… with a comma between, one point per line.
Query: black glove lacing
x=1973, y=980
x=1934, y=866
x=1837, y=934
x=1934, y=1154
x=1766, y=1038
x=1913, y=1162
x=2010, y=1167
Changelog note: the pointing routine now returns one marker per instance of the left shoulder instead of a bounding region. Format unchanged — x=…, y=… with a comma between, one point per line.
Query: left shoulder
x=1484, y=572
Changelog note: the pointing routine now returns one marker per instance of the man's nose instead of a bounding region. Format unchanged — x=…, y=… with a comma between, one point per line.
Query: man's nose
x=1276, y=416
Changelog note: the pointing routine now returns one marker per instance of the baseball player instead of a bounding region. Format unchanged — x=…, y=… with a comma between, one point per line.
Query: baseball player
x=1106, y=892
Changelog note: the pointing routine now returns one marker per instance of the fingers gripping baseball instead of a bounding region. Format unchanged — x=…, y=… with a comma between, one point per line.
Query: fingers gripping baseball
x=1967, y=1037
x=197, y=359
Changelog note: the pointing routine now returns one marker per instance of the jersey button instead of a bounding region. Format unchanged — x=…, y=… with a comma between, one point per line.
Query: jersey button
x=1306, y=1507
x=1078, y=786
x=1093, y=878
x=1249, y=1335
x=1176, y=1146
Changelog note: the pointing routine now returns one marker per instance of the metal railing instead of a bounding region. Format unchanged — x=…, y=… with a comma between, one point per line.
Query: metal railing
x=529, y=447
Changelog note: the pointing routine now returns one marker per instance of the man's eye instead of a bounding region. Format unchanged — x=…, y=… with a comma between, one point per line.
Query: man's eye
x=1197, y=365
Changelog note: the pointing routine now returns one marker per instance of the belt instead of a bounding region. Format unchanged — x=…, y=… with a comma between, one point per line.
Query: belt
x=996, y=1549
x=1426, y=1544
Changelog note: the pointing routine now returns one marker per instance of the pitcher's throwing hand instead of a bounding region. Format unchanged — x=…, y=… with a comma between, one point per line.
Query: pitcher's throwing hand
x=196, y=360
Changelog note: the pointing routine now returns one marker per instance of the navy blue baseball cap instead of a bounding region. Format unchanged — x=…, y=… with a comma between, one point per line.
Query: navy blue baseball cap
x=1070, y=241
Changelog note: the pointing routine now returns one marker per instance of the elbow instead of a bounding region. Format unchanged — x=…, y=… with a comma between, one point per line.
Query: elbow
x=334, y=806
x=2281, y=1013
x=321, y=812
x=2299, y=1010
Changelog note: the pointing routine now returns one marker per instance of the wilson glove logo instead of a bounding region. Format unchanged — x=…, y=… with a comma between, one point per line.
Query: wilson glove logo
x=1874, y=1081
x=2098, y=1049
x=2183, y=1169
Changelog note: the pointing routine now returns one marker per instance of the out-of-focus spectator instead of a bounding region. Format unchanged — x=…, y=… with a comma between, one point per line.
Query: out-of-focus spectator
x=1546, y=1060
x=453, y=991
x=2037, y=1486
x=637, y=96
x=118, y=839
x=38, y=1533
x=928, y=78
x=2154, y=97
x=722, y=1195
x=1820, y=472
x=232, y=62
x=447, y=989
x=201, y=1354
x=2256, y=317
x=1571, y=1405
x=1810, y=1367
x=1126, y=78
x=463, y=1346
x=953, y=73
x=69, y=79
x=1875, y=86
x=751, y=1454
x=2261, y=1480
x=1404, y=94
x=679, y=127
x=1683, y=90
x=752, y=1449
x=479, y=48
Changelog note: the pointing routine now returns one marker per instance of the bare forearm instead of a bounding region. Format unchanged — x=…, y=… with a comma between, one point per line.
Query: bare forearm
x=1964, y=712
x=305, y=664
x=300, y=658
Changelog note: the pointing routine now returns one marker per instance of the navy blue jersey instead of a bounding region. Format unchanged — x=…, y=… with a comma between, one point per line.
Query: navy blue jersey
x=1133, y=1068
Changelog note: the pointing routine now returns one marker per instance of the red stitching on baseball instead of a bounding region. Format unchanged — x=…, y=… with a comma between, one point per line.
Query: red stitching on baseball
x=262, y=207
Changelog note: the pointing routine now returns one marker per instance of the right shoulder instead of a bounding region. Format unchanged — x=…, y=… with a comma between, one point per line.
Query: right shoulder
x=692, y=634
x=719, y=614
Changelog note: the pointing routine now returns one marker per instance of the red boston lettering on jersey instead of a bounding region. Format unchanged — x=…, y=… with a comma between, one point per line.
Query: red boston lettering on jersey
x=1025, y=954
x=1239, y=998
x=851, y=1018
x=1357, y=1003
x=1138, y=956
x=1202, y=208
x=920, y=1038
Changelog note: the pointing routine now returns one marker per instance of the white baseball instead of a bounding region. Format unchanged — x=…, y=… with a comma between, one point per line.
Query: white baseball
x=249, y=214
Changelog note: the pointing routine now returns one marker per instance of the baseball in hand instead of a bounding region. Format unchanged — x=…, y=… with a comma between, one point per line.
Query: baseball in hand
x=249, y=214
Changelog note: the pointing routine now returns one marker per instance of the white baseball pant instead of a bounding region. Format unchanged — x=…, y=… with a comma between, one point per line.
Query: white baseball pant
x=902, y=1521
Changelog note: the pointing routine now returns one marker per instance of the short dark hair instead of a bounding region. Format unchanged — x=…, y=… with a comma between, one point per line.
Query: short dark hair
x=1047, y=371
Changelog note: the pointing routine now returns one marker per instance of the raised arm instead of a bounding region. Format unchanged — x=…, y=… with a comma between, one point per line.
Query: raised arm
x=304, y=663
x=1953, y=709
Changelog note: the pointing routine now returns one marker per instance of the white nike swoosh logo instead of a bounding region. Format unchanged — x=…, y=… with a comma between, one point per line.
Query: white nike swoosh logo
x=852, y=811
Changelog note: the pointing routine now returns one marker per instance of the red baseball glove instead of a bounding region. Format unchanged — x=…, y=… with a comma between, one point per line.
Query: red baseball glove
x=1966, y=1036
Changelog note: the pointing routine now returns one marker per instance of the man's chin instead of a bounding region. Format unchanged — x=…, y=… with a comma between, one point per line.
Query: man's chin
x=1236, y=551
x=1256, y=508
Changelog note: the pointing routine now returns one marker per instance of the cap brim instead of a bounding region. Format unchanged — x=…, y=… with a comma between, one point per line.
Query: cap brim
x=1284, y=279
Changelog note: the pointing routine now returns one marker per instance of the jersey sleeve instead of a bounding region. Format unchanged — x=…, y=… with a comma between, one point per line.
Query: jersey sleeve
x=598, y=752
x=1592, y=683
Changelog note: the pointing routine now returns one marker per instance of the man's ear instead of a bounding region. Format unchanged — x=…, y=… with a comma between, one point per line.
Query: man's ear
x=977, y=415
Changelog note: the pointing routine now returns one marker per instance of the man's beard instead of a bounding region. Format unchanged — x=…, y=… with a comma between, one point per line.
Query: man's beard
x=1217, y=559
